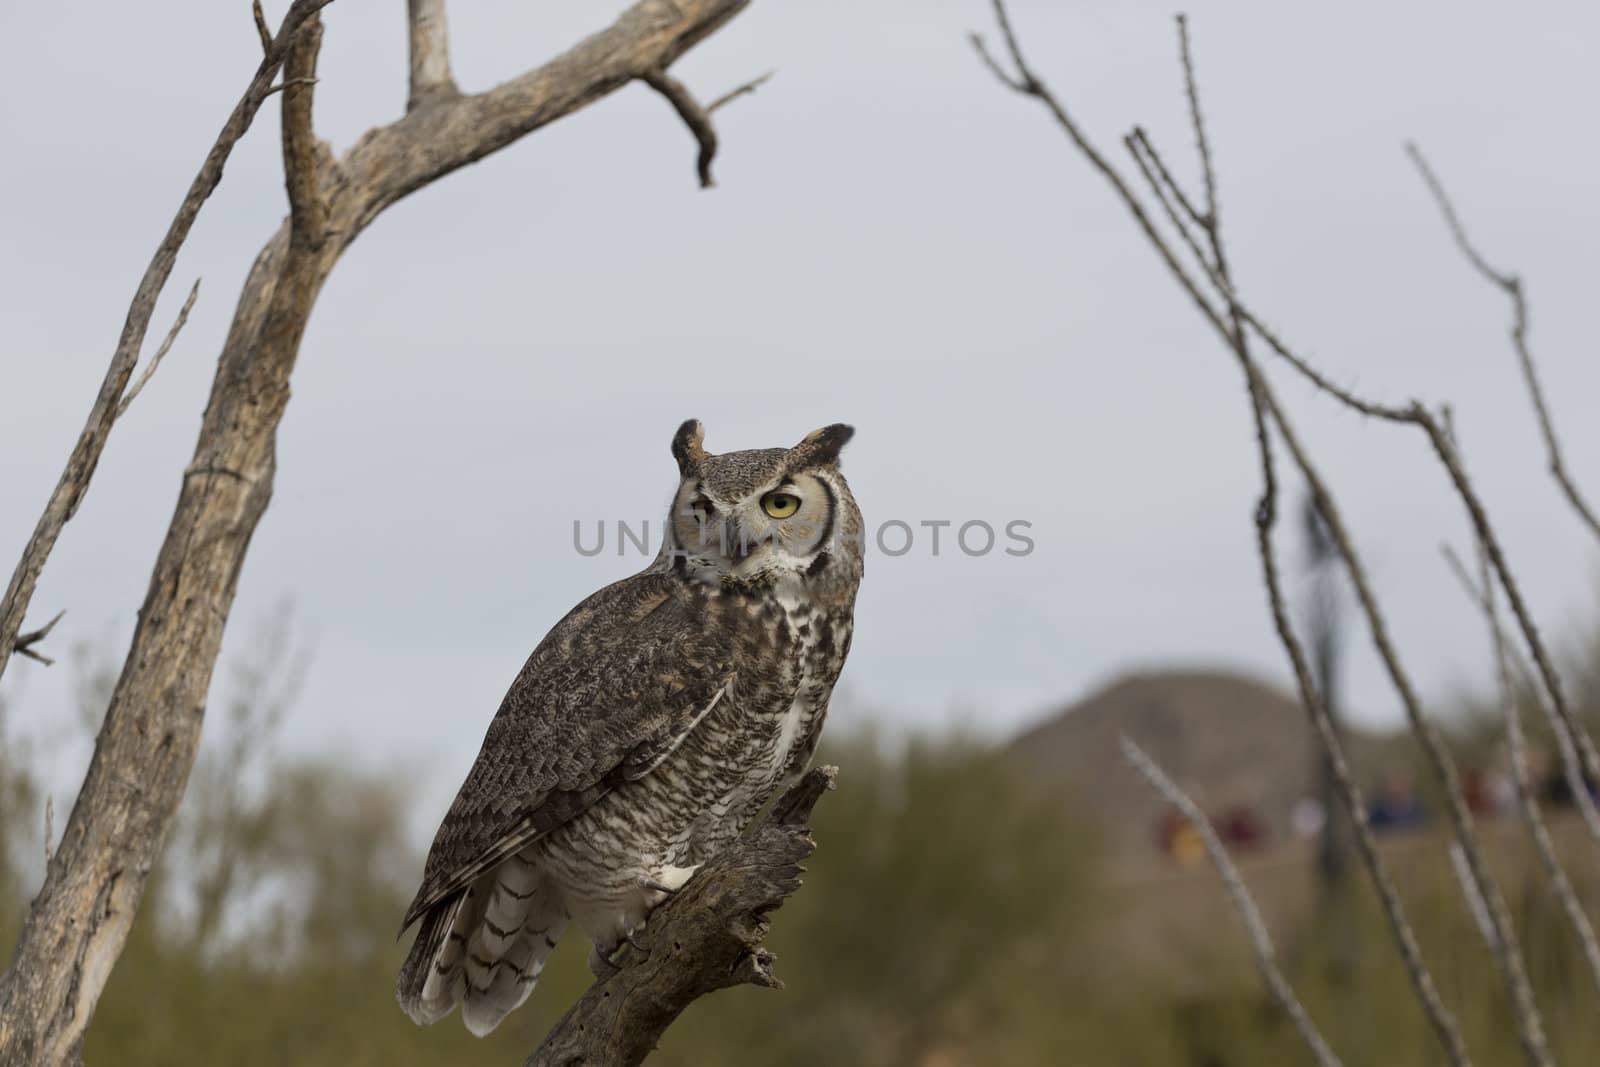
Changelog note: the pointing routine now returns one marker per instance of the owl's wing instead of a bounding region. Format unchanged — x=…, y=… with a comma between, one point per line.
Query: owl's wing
x=609, y=692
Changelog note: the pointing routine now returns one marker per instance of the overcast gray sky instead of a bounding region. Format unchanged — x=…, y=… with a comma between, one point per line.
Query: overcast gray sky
x=894, y=242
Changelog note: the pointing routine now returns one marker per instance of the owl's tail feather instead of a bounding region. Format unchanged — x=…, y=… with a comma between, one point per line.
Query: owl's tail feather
x=523, y=917
x=430, y=980
x=484, y=949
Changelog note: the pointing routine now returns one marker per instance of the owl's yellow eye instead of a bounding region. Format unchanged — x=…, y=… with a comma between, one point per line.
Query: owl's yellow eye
x=780, y=505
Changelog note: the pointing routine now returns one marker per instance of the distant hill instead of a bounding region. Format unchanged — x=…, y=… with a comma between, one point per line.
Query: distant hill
x=1229, y=740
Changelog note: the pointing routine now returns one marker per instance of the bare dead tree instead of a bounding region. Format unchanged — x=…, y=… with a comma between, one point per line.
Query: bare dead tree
x=77, y=925
x=1226, y=312
x=1243, y=904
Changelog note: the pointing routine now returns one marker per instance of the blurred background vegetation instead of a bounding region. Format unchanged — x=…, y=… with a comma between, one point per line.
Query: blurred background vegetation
x=969, y=903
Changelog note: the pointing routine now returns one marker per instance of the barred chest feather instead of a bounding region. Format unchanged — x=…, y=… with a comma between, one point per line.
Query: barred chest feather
x=761, y=730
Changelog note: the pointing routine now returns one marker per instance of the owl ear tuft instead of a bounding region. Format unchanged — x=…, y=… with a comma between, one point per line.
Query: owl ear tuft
x=822, y=446
x=687, y=447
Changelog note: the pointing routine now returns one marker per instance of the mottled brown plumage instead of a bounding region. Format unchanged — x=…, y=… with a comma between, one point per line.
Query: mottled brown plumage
x=646, y=729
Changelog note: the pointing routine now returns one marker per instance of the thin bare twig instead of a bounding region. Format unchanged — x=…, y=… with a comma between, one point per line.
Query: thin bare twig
x=166, y=345
x=1213, y=220
x=24, y=643
x=262, y=30
x=1458, y=231
x=741, y=90
x=1239, y=897
x=1011, y=81
x=291, y=83
x=1027, y=83
x=1199, y=218
x=1511, y=285
x=1171, y=199
x=1475, y=905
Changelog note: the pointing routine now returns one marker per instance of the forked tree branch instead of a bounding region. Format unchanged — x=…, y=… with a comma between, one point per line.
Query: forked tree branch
x=262, y=29
x=698, y=118
x=161, y=351
x=1212, y=219
x=386, y=164
x=1163, y=183
x=737, y=91
x=25, y=642
x=708, y=937
x=1243, y=904
x=77, y=924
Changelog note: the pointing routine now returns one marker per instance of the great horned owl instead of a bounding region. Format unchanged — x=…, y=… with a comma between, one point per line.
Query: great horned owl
x=646, y=729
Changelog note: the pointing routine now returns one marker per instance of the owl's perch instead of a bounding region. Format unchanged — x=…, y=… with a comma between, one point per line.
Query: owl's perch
x=706, y=938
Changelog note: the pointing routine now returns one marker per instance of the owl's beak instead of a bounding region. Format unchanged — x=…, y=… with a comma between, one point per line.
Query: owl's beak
x=733, y=541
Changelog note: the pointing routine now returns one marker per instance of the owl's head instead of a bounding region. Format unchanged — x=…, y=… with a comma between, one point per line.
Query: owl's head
x=752, y=518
